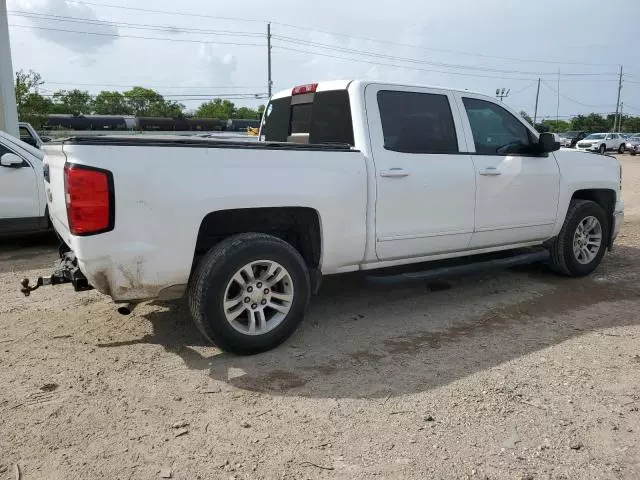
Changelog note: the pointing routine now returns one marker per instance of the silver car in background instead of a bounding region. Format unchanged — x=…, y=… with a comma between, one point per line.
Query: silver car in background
x=633, y=145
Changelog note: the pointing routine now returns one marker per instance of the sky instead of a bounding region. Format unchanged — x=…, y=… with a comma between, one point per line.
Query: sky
x=201, y=49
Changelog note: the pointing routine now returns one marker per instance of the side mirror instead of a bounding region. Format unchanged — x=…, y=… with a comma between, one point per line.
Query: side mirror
x=547, y=143
x=11, y=160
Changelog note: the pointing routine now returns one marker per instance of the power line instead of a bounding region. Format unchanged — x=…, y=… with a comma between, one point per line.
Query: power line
x=525, y=88
x=194, y=97
x=165, y=28
x=338, y=34
x=165, y=12
x=572, y=99
x=137, y=26
x=298, y=41
x=117, y=35
x=73, y=84
x=371, y=62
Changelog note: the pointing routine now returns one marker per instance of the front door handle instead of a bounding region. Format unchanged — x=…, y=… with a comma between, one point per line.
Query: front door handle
x=394, y=173
x=490, y=172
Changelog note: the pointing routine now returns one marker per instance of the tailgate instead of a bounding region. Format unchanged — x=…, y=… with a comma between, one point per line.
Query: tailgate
x=54, y=162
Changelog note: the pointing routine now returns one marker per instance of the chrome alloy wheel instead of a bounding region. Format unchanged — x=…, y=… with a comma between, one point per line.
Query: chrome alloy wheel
x=587, y=240
x=258, y=297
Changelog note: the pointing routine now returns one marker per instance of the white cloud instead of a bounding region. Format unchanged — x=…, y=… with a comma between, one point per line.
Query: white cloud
x=100, y=33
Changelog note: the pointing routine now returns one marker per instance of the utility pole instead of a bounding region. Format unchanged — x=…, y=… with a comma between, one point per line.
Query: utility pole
x=535, y=113
x=8, y=109
x=620, y=120
x=558, y=104
x=615, y=119
x=269, y=81
x=502, y=93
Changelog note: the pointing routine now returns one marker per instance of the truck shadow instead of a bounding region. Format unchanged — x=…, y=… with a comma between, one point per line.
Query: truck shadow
x=365, y=341
x=28, y=252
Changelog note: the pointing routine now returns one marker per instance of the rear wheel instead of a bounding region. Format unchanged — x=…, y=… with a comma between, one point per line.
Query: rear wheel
x=621, y=149
x=602, y=149
x=249, y=293
x=581, y=244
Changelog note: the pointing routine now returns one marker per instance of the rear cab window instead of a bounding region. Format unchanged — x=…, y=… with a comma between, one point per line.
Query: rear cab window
x=414, y=122
x=313, y=117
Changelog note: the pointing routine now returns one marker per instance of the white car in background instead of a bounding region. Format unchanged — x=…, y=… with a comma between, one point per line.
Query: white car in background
x=601, y=142
x=23, y=204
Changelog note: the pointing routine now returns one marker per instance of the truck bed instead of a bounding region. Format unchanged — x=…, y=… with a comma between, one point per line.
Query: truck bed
x=165, y=186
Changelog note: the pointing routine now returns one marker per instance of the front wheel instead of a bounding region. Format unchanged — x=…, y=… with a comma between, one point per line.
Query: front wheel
x=249, y=293
x=621, y=149
x=602, y=149
x=581, y=244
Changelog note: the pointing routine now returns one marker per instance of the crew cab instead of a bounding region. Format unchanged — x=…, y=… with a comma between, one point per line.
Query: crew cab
x=23, y=206
x=601, y=142
x=348, y=176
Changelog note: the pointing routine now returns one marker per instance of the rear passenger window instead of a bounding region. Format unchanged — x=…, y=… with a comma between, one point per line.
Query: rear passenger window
x=417, y=122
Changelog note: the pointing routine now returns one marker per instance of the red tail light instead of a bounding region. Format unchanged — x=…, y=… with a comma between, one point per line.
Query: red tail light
x=90, y=202
x=302, y=89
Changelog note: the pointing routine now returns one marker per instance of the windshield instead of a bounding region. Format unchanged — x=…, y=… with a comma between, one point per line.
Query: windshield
x=570, y=134
x=596, y=136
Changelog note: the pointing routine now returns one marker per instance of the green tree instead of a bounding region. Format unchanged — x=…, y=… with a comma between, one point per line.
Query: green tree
x=246, y=113
x=110, y=103
x=144, y=102
x=75, y=102
x=32, y=107
x=556, y=125
x=218, y=108
x=261, y=110
x=591, y=123
x=630, y=124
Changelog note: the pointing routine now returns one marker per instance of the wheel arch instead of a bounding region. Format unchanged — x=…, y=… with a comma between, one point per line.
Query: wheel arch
x=604, y=197
x=301, y=227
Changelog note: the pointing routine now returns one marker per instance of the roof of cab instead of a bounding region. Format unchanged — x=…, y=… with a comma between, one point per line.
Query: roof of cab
x=344, y=84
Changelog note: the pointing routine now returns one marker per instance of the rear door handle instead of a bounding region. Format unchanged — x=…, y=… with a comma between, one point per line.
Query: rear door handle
x=394, y=173
x=490, y=172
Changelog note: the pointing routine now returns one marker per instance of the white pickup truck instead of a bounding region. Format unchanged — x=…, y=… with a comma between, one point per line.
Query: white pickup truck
x=348, y=176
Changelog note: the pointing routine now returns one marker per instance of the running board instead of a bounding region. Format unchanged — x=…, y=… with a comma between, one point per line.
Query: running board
x=513, y=261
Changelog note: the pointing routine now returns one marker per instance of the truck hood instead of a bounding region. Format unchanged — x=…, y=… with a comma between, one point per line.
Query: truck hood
x=588, y=170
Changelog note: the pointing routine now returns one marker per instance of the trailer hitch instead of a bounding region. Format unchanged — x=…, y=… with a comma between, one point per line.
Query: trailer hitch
x=67, y=271
x=40, y=282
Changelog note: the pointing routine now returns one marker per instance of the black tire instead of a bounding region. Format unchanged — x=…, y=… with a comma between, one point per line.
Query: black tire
x=622, y=148
x=217, y=267
x=633, y=154
x=562, y=258
x=602, y=149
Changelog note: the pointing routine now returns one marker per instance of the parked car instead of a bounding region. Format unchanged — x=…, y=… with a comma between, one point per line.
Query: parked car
x=350, y=176
x=633, y=145
x=601, y=142
x=569, y=139
x=29, y=135
x=23, y=206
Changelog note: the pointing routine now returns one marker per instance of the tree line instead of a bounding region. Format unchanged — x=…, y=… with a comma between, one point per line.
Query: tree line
x=33, y=107
x=592, y=122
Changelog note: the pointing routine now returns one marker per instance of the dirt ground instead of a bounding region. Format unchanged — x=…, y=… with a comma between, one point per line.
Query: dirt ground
x=513, y=374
